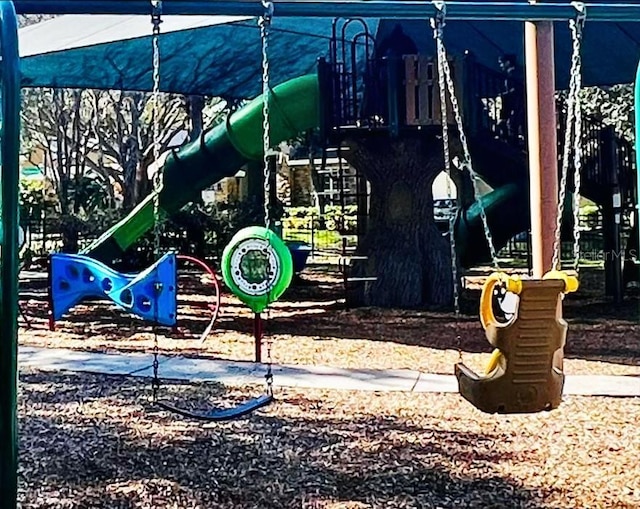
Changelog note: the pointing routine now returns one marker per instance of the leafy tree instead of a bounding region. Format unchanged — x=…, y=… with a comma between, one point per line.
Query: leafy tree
x=94, y=145
x=612, y=106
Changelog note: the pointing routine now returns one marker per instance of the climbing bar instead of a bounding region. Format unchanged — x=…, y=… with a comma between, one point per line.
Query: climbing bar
x=501, y=11
x=151, y=294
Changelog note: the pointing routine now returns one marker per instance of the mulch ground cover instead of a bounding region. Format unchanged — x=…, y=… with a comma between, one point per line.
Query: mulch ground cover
x=93, y=441
x=310, y=325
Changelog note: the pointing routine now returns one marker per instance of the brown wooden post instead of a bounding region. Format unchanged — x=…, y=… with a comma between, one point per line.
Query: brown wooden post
x=543, y=153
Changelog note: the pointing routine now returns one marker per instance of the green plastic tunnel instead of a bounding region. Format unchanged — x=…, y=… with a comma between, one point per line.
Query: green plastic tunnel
x=219, y=153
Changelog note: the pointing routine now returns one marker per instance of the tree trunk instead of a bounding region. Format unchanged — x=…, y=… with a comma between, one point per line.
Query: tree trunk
x=144, y=185
x=195, y=107
x=130, y=152
x=404, y=249
x=70, y=234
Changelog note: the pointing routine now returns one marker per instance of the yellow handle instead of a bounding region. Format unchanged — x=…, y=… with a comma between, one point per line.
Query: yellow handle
x=571, y=283
x=494, y=361
x=514, y=285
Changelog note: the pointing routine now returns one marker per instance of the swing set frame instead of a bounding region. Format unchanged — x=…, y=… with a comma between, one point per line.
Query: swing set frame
x=398, y=9
x=538, y=18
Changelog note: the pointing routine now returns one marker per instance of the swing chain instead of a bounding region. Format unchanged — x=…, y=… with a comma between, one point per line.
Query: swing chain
x=466, y=162
x=265, y=25
x=438, y=25
x=577, y=28
x=156, y=20
x=573, y=130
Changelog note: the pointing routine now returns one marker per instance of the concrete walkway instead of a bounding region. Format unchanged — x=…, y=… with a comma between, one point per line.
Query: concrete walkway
x=318, y=377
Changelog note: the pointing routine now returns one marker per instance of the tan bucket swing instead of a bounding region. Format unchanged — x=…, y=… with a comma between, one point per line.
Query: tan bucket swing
x=524, y=374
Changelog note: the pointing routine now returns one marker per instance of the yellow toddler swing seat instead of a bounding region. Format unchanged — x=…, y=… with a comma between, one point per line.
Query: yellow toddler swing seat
x=524, y=374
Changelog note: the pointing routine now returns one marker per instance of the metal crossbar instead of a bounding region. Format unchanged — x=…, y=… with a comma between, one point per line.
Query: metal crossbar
x=410, y=9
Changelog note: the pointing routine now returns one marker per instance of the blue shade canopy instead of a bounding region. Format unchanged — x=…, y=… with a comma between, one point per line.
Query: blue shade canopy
x=200, y=55
x=220, y=55
x=610, y=51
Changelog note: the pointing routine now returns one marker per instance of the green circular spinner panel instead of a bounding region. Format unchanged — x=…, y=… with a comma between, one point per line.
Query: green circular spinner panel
x=257, y=267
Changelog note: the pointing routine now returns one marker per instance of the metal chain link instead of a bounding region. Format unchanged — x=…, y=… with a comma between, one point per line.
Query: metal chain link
x=577, y=31
x=466, y=163
x=265, y=25
x=573, y=131
x=438, y=26
x=156, y=20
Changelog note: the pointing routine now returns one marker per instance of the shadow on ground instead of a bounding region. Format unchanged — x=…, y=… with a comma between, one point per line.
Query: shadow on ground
x=93, y=441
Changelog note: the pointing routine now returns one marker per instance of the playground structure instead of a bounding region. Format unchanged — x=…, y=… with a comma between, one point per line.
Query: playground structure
x=399, y=94
x=607, y=169
x=150, y=294
x=231, y=136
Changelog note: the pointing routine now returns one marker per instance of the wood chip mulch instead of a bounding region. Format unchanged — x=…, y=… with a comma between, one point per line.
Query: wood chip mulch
x=310, y=325
x=90, y=441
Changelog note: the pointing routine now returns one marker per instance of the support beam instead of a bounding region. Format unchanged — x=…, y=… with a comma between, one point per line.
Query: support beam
x=399, y=9
x=543, y=153
x=9, y=176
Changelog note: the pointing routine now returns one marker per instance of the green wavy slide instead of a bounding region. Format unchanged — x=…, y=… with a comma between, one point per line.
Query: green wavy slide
x=294, y=108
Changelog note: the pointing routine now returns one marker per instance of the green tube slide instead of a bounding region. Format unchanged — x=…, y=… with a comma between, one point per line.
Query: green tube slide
x=219, y=153
x=295, y=108
x=507, y=211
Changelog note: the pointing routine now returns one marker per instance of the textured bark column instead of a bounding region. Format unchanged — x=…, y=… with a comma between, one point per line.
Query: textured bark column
x=405, y=250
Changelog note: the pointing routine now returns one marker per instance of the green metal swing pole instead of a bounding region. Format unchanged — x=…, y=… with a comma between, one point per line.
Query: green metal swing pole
x=9, y=170
x=409, y=9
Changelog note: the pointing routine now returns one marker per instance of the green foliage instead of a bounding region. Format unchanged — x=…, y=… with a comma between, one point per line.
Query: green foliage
x=75, y=226
x=303, y=218
x=590, y=215
x=589, y=210
x=35, y=197
x=321, y=240
x=611, y=106
x=90, y=194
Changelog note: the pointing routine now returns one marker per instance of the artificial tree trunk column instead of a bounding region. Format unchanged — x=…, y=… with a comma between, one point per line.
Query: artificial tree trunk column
x=404, y=248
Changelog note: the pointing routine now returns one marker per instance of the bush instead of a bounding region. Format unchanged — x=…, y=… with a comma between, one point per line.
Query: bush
x=304, y=218
x=35, y=197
